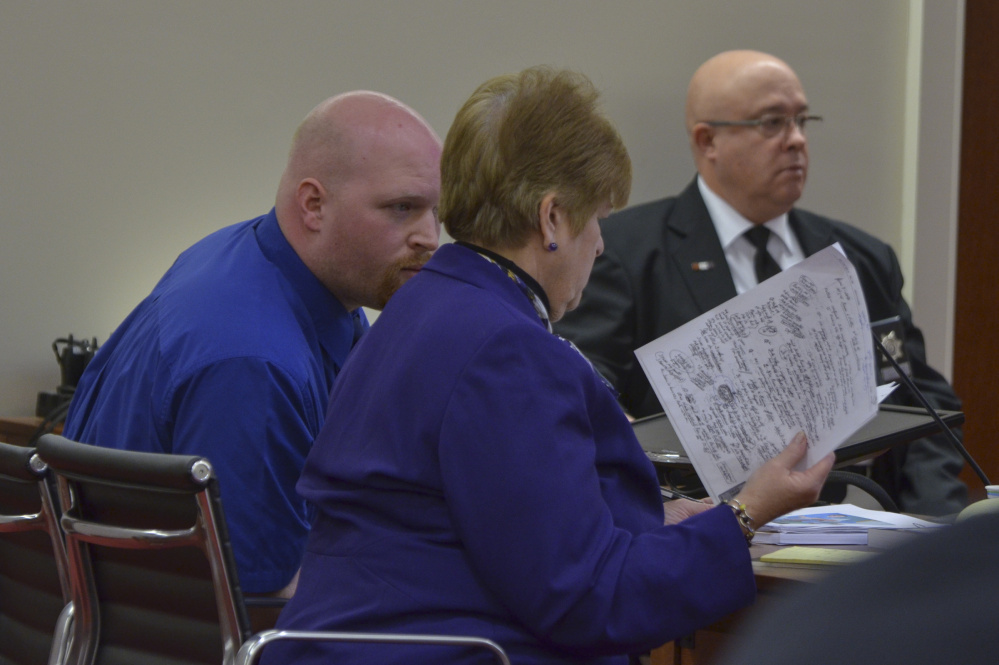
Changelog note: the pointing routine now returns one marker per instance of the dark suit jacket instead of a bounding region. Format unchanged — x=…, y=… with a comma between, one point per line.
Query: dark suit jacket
x=644, y=286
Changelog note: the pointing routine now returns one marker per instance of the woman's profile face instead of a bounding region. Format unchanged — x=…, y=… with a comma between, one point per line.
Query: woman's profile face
x=575, y=261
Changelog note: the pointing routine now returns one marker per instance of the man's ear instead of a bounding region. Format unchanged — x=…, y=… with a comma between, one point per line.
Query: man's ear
x=310, y=196
x=550, y=217
x=702, y=137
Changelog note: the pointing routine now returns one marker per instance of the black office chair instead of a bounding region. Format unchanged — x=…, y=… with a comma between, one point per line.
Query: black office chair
x=838, y=480
x=151, y=569
x=35, y=609
x=150, y=566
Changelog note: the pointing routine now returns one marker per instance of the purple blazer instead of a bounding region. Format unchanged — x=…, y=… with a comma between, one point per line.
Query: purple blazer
x=487, y=483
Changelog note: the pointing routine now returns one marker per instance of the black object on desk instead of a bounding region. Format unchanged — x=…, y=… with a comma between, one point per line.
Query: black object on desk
x=73, y=356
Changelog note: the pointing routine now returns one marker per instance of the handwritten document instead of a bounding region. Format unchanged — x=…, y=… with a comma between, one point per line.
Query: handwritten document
x=793, y=354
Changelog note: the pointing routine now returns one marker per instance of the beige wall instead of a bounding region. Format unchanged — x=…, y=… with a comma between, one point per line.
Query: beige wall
x=130, y=129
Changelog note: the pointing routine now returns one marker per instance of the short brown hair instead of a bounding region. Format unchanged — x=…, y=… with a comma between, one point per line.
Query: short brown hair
x=520, y=137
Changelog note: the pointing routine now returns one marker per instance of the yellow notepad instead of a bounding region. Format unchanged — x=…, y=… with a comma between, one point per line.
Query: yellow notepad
x=815, y=556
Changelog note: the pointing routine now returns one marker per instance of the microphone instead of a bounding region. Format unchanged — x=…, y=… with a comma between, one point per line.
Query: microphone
x=910, y=384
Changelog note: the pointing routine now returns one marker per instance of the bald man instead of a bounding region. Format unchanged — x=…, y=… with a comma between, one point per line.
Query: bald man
x=233, y=354
x=669, y=261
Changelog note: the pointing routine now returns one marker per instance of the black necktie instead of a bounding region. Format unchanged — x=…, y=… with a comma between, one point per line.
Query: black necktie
x=764, y=263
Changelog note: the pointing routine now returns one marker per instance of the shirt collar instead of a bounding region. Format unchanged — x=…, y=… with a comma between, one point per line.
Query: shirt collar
x=334, y=324
x=730, y=225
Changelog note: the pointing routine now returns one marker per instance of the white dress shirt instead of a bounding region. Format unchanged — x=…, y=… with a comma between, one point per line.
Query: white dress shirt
x=739, y=251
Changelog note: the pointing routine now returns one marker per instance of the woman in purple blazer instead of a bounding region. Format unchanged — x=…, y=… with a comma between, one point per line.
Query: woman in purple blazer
x=486, y=482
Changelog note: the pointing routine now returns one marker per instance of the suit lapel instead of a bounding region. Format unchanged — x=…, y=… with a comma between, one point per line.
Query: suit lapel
x=814, y=236
x=696, y=252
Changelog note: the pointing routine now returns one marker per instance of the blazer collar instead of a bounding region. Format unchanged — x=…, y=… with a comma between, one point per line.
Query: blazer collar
x=464, y=264
x=814, y=236
x=696, y=251
x=694, y=244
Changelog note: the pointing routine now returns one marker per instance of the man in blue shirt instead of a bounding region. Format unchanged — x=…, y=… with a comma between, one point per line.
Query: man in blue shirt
x=233, y=354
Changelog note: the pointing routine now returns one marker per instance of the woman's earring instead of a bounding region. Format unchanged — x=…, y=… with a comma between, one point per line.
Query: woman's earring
x=552, y=247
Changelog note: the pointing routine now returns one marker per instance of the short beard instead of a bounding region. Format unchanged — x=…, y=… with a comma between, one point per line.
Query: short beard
x=394, y=277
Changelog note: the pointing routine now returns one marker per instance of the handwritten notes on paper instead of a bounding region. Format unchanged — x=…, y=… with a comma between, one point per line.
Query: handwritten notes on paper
x=792, y=354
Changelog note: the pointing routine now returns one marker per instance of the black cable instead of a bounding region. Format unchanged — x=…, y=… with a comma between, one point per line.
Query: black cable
x=52, y=418
x=866, y=484
x=933, y=412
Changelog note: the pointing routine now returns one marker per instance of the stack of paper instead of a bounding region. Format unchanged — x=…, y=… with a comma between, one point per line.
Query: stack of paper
x=792, y=354
x=842, y=524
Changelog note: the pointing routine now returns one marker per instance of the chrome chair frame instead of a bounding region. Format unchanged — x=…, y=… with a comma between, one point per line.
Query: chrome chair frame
x=71, y=463
x=22, y=465
x=250, y=653
x=81, y=532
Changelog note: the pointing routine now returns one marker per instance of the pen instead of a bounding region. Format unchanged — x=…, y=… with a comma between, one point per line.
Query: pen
x=673, y=494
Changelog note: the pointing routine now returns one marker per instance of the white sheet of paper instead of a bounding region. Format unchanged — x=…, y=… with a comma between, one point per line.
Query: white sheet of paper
x=885, y=390
x=793, y=354
x=845, y=517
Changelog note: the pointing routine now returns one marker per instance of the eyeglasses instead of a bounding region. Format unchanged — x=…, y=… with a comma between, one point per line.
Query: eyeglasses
x=769, y=125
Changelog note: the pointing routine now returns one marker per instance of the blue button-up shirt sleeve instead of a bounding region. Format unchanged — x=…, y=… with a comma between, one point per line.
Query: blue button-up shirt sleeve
x=264, y=437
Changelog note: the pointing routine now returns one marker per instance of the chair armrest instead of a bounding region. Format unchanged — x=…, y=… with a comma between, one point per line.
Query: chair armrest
x=264, y=601
x=250, y=652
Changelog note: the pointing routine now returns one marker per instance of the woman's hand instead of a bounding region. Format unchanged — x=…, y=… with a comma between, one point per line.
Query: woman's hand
x=680, y=509
x=776, y=488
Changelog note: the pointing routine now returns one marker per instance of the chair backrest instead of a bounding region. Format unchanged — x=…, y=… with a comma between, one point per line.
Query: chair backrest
x=34, y=588
x=151, y=569
x=865, y=484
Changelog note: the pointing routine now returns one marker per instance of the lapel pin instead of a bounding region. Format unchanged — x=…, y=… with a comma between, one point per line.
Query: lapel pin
x=700, y=266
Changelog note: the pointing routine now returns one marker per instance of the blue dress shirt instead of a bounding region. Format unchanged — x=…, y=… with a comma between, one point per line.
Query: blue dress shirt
x=232, y=356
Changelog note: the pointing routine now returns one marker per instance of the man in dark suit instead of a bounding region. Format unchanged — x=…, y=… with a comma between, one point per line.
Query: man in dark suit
x=669, y=261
